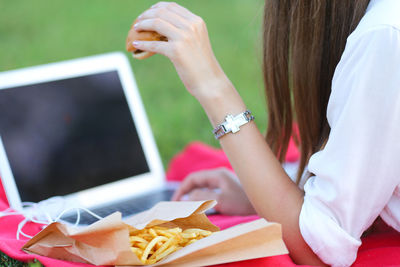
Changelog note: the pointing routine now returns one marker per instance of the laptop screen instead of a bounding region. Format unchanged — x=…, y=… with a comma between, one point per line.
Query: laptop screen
x=68, y=135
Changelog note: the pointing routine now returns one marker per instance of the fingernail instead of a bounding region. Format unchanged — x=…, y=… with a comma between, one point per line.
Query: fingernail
x=136, y=25
x=135, y=43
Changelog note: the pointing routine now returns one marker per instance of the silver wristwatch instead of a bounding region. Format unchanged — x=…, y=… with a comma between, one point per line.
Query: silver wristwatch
x=232, y=124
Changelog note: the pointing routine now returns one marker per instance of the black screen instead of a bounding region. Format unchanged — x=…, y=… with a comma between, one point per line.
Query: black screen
x=64, y=136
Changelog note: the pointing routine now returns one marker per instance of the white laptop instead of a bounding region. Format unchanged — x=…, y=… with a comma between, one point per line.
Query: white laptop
x=78, y=129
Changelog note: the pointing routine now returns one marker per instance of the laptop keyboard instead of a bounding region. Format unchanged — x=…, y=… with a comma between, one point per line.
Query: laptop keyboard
x=126, y=207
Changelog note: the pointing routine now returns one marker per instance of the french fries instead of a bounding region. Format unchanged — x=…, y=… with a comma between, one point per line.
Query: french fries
x=153, y=244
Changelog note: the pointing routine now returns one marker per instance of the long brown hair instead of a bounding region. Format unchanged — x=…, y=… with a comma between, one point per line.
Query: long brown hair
x=303, y=42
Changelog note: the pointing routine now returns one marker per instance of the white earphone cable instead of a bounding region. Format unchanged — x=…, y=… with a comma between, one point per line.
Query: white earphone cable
x=34, y=212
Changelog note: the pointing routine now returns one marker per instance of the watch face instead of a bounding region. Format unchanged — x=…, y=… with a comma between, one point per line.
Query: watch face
x=232, y=124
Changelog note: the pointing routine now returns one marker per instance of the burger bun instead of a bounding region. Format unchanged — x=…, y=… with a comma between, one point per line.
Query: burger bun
x=134, y=35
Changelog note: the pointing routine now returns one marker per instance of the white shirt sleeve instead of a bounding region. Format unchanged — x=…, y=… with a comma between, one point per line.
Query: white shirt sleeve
x=356, y=173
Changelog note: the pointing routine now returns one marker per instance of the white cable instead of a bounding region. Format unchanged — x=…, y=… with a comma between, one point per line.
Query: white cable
x=78, y=214
x=20, y=226
x=8, y=212
x=34, y=212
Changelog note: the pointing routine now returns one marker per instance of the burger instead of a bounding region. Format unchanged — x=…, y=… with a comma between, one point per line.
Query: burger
x=134, y=35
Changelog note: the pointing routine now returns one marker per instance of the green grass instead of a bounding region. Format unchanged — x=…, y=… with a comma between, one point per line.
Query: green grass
x=39, y=32
x=6, y=261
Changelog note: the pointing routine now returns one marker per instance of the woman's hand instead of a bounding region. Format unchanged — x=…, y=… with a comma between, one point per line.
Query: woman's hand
x=219, y=184
x=188, y=46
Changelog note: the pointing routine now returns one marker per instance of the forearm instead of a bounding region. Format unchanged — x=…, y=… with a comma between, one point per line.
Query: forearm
x=272, y=193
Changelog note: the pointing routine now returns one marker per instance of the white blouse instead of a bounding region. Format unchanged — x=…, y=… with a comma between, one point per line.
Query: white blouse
x=357, y=174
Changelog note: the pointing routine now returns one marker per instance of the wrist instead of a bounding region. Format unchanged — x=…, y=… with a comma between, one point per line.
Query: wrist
x=219, y=98
x=212, y=86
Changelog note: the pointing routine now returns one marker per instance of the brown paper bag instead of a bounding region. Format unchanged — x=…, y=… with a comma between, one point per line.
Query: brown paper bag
x=106, y=242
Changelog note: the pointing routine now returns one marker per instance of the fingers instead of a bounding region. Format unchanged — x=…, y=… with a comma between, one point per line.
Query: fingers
x=166, y=15
x=174, y=7
x=159, y=25
x=204, y=179
x=153, y=46
x=170, y=13
x=167, y=20
x=202, y=194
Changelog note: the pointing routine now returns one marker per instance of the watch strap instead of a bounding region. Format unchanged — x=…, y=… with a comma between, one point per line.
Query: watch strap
x=232, y=124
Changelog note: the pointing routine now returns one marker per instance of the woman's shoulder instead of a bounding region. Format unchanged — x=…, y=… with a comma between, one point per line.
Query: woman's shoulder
x=377, y=34
x=368, y=70
x=380, y=14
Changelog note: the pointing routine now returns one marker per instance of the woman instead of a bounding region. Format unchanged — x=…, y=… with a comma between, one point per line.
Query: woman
x=333, y=67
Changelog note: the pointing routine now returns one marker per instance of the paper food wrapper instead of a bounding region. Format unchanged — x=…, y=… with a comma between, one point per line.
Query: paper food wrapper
x=106, y=242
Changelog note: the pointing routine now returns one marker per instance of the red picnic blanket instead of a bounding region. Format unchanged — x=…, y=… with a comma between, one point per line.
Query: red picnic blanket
x=381, y=249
